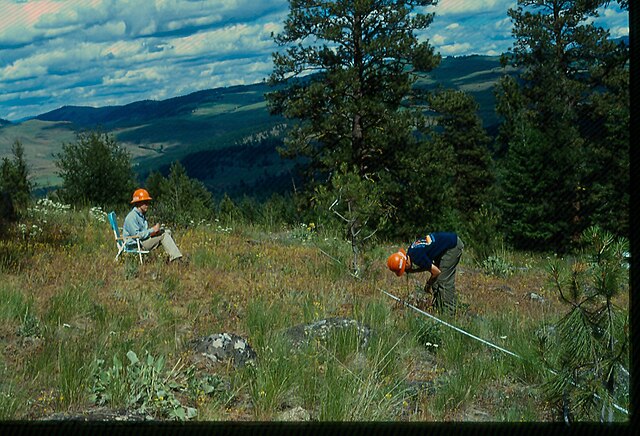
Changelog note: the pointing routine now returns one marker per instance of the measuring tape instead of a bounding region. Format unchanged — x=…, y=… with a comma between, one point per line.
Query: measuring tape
x=621, y=409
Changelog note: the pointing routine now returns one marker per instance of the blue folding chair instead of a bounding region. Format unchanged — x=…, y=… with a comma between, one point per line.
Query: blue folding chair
x=121, y=241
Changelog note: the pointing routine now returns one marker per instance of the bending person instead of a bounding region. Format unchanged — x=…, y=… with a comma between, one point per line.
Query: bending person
x=438, y=253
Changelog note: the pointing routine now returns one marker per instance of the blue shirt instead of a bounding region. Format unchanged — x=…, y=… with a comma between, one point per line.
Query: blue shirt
x=135, y=223
x=425, y=251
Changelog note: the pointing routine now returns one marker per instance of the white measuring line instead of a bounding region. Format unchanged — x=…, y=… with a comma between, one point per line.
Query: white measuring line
x=621, y=409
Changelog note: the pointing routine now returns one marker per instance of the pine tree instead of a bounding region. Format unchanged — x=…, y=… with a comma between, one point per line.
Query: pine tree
x=563, y=59
x=355, y=107
x=605, y=188
x=14, y=177
x=461, y=128
x=592, y=338
x=365, y=53
x=355, y=202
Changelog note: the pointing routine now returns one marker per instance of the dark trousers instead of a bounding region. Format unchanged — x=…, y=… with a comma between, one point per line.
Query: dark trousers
x=444, y=287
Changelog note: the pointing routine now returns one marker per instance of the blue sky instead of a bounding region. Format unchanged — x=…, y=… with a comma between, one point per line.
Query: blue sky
x=111, y=52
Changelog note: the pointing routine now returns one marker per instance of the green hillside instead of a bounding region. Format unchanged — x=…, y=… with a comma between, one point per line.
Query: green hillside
x=203, y=128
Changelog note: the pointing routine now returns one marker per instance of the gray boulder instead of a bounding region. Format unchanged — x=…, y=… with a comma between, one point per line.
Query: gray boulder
x=535, y=297
x=224, y=347
x=296, y=414
x=302, y=333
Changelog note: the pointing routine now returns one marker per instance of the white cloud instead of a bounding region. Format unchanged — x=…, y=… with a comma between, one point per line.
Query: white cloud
x=618, y=32
x=135, y=77
x=106, y=52
x=106, y=31
x=438, y=40
x=616, y=13
x=455, y=49
x=466, y=7
x=22, y=69
x=503, y=25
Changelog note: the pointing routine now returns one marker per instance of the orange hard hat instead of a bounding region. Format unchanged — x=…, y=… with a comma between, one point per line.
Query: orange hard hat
x=140, y=195
x=398, y=262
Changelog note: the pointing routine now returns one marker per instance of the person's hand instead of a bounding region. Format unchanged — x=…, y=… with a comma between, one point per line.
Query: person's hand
x=155, y=229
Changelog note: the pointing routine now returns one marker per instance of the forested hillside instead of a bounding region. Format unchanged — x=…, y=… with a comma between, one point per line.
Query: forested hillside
x=203, y=129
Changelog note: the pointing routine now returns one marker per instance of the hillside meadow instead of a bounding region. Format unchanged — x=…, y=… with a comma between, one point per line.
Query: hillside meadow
x=84, y=335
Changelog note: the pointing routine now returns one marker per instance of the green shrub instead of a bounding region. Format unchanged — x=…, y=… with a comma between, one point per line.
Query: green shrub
x=592, y=341
x=95, y=170
x=262, y=319
x=271, y=378
x=148, y=387
x=14, y=255
x=497, y=266
x=29, y=325
x=179, y=200
x=427, y=333
x=14, y=305
x=481, y=236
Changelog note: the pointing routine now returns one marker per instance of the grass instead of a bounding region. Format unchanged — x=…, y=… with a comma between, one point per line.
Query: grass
x=67, y=306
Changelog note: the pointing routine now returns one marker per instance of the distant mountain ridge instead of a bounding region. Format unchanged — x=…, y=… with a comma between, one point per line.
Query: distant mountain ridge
x=225, y=137
x=139, y=111
x=451, y=72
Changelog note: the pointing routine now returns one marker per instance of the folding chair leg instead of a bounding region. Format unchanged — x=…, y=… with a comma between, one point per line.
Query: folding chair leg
x=120, y=250
x=139, y=251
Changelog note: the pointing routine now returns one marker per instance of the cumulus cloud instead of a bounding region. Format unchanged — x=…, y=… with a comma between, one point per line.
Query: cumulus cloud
x=618, y=32
x=438, y=40
x=455, y=49
x=465, y=7
x=93, y=51
x=106, y=52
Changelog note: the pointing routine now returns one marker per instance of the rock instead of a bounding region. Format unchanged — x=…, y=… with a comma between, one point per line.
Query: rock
x=476, y=415
x=100, y=414
x=296, y=414
x=535, y=297
x=222, y=347
x=504, y=288
x=301, y=333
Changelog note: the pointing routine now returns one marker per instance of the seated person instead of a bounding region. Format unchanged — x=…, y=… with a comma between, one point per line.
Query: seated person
x=135, y=224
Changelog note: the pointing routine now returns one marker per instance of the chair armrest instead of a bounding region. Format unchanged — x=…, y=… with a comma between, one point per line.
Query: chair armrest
x=124, y=238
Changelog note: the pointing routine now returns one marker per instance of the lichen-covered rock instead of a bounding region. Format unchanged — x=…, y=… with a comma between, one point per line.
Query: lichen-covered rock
x=301, y=333
x=222, y=347
x=297, y=414
x=99, y=414
x=535, y=297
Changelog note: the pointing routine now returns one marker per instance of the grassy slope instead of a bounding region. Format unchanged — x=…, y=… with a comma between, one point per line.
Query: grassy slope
x=67, y=304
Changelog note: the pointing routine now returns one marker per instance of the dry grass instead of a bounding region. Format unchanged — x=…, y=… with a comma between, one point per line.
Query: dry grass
x=85, y=306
